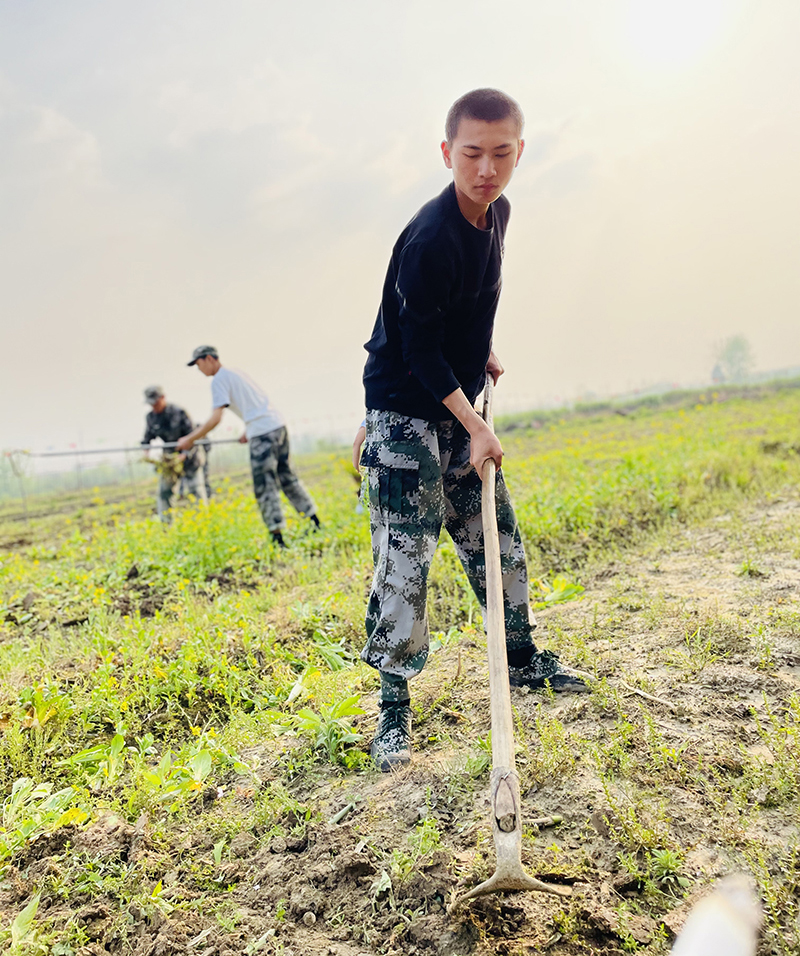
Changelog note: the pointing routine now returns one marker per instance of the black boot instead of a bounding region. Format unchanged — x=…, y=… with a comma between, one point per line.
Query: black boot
x=543, y=669
x=391, y=746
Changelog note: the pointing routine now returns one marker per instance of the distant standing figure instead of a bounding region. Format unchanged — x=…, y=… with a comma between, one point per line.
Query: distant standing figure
x=184, y=489
x=171, y=423
x=265, y=430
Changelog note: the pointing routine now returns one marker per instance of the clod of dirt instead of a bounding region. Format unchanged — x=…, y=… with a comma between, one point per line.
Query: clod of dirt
x=450, y=943
x=351, y=866
x=94, y=919
x=598, y=821
x=242, y=844
x=608, y=923
x=141, y=597
x=133, y=572
x=425, y=929
x=45, y=845
x=139, y=837
x=296, y=844
x=641, y=928
x=93, y=949
x=13, y=888
x=231, y=872
x=628, y=882
x=673, y=920
x=309, y=918
x=410, y=802
x=277, y=845
x=109, y=837
x=306, y=900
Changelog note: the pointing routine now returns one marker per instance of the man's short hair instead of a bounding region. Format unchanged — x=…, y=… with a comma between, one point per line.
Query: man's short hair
x=486, y=104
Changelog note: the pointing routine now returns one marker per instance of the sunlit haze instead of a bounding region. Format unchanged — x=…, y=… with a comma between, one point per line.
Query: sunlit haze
x=665, y=33
x=178, y=173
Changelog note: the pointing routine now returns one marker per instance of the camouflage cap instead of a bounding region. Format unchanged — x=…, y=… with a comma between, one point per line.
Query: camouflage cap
x=201, y=351
x=152, y=394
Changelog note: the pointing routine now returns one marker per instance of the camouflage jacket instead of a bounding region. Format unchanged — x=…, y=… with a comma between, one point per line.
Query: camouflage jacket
x=170, y=425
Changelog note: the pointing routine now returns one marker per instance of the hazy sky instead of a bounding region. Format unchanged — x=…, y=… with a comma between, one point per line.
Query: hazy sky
x=186, y=171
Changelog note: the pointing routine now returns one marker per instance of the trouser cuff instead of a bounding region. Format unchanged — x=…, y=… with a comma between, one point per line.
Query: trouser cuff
x=520, y=655
x=394, y=688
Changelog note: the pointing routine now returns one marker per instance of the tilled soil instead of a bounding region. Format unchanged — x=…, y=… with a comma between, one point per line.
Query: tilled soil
x=693, y=643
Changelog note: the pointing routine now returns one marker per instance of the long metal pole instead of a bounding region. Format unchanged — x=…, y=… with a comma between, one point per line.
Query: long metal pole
x=105, y=451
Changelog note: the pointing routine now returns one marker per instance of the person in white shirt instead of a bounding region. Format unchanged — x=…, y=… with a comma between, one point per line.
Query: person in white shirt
x=265, y=430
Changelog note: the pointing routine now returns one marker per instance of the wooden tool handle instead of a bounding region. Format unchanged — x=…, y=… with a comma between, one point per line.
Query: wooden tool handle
x=499, y=690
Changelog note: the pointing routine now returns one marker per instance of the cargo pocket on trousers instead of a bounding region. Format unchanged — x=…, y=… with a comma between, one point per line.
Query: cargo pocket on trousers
x=394, y=478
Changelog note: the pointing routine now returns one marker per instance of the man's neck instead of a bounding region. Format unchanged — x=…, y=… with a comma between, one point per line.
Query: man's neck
x=475, y=213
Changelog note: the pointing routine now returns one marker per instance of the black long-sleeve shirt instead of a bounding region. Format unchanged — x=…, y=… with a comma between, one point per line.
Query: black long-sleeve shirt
x=434, y=327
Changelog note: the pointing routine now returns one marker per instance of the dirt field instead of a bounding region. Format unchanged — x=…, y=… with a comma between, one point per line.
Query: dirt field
x=184, y=725
x=700, y=763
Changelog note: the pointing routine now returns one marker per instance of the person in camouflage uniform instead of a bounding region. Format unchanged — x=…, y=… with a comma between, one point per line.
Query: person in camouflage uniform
x=424, y=445
x=266, y=433
x=170, y=423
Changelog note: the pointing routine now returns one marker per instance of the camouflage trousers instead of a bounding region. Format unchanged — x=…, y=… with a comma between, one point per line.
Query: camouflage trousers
x=184, y=488
x=420, y=478
x=191, y=482
x=269, y=462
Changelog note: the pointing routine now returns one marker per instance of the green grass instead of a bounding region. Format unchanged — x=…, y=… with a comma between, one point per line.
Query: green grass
x=152, y=669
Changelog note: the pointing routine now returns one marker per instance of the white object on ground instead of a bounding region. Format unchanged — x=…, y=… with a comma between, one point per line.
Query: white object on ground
x=724, y=923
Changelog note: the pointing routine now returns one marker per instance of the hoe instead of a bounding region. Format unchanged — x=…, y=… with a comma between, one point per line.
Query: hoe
x=505, y=800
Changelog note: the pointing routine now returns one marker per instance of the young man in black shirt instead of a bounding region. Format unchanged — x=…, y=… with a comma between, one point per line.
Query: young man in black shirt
x=425, y=444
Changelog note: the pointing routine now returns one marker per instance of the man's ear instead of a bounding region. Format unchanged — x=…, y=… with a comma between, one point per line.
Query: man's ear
x=519, y=152
x=446, y=154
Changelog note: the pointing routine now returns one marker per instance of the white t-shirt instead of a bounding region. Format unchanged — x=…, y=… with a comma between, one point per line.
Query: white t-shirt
x=241, y=394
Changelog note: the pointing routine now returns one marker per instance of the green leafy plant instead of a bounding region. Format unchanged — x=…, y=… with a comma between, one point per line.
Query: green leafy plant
x=43, y=706
x=23, y=932
x=102, y=763
x=749, y=568
x=31, y=809
x=219, y=846
x=330, y=730
x=178, y=777
x=172, y=779
x=159, y=901
x=480, y=759
x=665, y=866
x=423, y=840
x=559, y=591
x=700, y=652
x=380, y=889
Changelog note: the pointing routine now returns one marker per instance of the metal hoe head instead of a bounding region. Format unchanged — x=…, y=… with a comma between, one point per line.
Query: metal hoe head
x=509, y=873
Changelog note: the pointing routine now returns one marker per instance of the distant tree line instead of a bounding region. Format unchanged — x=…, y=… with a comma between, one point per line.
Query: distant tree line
x=734, y=360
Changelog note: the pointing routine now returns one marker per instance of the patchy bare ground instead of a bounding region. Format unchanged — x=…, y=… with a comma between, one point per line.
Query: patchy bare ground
x=688, y=744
